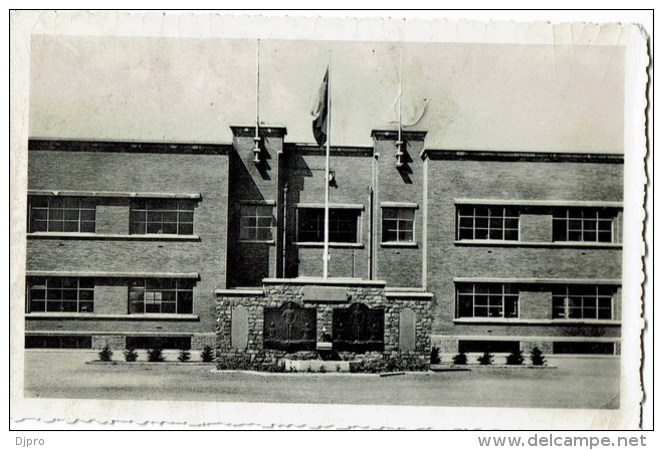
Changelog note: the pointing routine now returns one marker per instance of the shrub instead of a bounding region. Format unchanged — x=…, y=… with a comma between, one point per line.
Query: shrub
x=106, y=354
x=207, y=354
x=155, y=355
x=130, y=354
x=338, y=367
x=537, y=358
x=435, y=355
x=184, y=356
x=486, y=359
x=322, y=369
x=515, y=358
x=460, y=359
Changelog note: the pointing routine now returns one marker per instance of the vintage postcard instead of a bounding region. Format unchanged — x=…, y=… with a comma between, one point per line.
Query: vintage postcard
x=337, y=223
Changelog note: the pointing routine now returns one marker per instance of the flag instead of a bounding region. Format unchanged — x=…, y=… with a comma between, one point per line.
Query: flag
x=320, y=113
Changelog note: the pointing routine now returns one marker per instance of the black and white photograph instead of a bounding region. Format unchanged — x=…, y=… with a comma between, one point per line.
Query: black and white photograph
x=298, y=220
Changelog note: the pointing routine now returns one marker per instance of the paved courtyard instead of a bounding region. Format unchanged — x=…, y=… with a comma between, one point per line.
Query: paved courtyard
x=575, y=383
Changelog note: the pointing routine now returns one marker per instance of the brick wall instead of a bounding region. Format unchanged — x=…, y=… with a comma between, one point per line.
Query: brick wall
x=515, y=180
x=123, y=171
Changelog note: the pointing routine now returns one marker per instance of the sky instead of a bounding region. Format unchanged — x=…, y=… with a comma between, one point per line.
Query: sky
x=477, y=96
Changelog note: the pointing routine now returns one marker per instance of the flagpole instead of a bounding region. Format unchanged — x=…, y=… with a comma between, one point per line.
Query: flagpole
x=257, y=136
x=399, y=142
x=325, y=253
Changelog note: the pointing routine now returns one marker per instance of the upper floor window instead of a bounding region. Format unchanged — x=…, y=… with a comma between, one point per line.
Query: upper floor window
x=487, y=222
x=486, y=300
x=343, y=225
x=583, y=225
x=162, y=216
x=583, y=302
x=62, y=214
x=397, y=224
x=60, y=294
x=162, y=296
x=255, y=223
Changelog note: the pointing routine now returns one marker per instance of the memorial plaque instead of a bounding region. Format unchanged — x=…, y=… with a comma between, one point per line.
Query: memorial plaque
x=239, y=328
x=289, y=327
x=358, y=328
x=407, y=330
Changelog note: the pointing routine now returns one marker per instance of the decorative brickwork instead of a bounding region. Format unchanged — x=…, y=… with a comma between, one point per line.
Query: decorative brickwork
x=277, y=292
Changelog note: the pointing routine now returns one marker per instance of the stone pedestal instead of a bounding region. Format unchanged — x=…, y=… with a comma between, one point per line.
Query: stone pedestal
x=360, y=318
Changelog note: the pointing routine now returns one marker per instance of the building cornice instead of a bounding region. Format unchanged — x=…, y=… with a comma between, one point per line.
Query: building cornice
x=316, y=150
x=263, y=131
x=79, y=145
x=490, y=155
x=392, y=135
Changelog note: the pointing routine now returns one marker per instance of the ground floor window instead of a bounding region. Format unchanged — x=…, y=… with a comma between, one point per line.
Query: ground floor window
x=583, y=348
x=583, y=302
x=478, y=346
x=161, y=296
x=486, y=300
x=32, y=341
x=60, y=294
x=163, y=342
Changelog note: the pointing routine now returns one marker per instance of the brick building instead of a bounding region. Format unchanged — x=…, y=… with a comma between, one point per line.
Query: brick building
x=182, y=245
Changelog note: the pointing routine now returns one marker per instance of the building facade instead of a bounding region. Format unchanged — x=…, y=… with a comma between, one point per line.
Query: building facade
x=135, y=244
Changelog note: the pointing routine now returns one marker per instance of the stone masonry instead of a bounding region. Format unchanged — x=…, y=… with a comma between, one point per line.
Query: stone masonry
x=276, y=292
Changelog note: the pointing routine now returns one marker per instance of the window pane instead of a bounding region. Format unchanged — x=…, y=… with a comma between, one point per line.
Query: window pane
x=186, y=217
x=87, y=227
x=169, y=228
x=481, y=233
x=185, y=229
x=464, y=306
x=39, y=214
x=264, y=234
x=71, y=226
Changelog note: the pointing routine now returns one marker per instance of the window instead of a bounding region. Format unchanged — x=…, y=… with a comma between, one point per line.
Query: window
x=583, y=302
x=62, y=214
x=486, y=300
x=162, y=216
x=343, y=225
x=583, y=348
x=397, y=224
x=255, y=223
x=161, y=296
x=487, y=222
x=583, y=225
x=59, y=294
x=488, y=346
x=43, y=341
x=163, y=342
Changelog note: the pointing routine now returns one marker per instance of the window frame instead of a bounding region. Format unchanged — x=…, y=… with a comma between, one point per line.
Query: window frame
x=257, y=217
x=568, y=296
x=177, y=207
x=474, y=217
x=60, y=288
x=51, y=210
x=398, y=209
x=358, y=235
x=134, y=286
x=565, y=220
x=507, y=290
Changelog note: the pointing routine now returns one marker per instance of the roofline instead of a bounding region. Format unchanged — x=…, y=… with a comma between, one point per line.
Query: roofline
x=500, y=155
x=110, y=146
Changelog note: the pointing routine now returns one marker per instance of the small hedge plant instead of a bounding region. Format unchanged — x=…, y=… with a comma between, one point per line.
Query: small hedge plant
x=515, y=358
x=486, y=359
x=155, y=355
x=106, y=354
x=130, y=355
x=460, y=359
x=435, y=355
x=184, y=356
x=207, y=354
x=537, y=358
